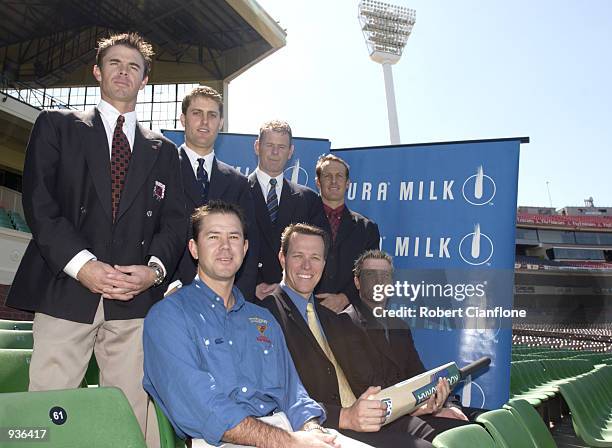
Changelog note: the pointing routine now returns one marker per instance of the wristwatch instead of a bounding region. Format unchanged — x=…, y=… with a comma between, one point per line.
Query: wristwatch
x=159, y=273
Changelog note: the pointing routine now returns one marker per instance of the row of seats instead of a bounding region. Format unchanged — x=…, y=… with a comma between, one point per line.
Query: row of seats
x=516, y=425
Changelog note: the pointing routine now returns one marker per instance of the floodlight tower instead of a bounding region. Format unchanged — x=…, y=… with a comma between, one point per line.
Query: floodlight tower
x=386, y=29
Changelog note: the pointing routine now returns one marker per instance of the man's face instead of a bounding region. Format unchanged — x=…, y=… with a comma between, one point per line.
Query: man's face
x=220, y=248
x=202, y=124
x=121, y=76
x=333, y=181
x=273, y=150
x=303, y=265
x=373, y=272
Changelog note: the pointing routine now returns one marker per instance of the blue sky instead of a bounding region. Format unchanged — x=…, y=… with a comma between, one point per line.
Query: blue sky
x=471, y=70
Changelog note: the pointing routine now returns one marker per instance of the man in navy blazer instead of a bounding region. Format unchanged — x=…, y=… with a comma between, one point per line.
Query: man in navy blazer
x=103, y=198
x=278, y=201
x=206, y=178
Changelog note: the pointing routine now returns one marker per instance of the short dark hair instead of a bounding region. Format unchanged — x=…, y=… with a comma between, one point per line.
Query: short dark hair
x=304, y=229
x=206, y=92
x=275, y=126
x=372, y=254
x=330, y=158
x=216, y=207
x=131, y=40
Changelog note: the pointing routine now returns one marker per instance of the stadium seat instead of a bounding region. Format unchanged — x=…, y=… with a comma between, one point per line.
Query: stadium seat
x=14, y=370
x=532, y=423
x=77, y=418
x=15, y=324
x=92, y=374
x=16, y=339
x=468, y=436
x=167, y=436
x=506, y=430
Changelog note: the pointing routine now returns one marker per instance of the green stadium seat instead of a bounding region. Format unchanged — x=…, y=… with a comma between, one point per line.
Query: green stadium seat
x=92, y=374
x=16, y=339
x=77, y=418
x=532, y=423
x=468, y=436
x=167, y=436
x=506, y=430
x=14, y=370
x=15, y=324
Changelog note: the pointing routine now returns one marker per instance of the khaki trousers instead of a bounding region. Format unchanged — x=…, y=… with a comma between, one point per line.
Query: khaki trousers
x=62, y=350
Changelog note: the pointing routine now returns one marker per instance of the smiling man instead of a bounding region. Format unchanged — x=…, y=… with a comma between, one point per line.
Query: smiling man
x=207, y=178
x=217, y=365
x=337, y=364
x=103, y=198
x=352, y=233
x=278, y=201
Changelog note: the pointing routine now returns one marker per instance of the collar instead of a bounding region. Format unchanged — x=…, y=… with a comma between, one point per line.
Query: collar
x=333, y=212
x=194, y=156
x=212, y=296
x=264, y=179
x=110, y=114
x=299, y=301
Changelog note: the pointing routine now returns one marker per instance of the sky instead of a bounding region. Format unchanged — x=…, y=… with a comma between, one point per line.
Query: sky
x=472, y=69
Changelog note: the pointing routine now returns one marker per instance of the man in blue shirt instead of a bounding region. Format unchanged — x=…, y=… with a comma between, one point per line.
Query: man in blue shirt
x=214, y=362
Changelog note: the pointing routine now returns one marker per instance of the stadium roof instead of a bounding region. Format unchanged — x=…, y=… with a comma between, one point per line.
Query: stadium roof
x=51, y=43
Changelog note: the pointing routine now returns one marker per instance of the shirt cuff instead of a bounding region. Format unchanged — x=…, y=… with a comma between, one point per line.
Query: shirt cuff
x=78, y=261
x=171, y=286
x=154, y=259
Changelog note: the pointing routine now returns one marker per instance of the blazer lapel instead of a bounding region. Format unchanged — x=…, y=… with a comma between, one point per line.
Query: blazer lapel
x=97, y=154
x=218, y=183
x=143, y=159
x=293, y=314
x=286, y=206
x=192, y=189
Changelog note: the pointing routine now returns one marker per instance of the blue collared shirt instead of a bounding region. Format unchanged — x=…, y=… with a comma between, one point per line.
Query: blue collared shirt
x=209, y=368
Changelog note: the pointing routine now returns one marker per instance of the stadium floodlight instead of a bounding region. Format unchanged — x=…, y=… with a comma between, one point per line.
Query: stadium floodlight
x=386, y=29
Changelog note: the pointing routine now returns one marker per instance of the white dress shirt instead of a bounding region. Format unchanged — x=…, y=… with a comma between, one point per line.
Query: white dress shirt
x=264, y=183
x=193, y=160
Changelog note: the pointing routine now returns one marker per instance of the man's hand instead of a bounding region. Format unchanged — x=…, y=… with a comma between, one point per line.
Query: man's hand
x=436, y=401
x=264, y=289
x=334, y=302
x=129, y=281
x=314, y=438
x=452, y=412
x=365, y=415
x=95, y=276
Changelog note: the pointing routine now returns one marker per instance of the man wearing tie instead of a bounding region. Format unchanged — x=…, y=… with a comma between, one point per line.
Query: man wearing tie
x=278, y=202
x=103, y=198
x=206, y=178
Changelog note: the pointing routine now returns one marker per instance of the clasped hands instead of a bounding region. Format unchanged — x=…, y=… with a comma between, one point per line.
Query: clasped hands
x=116, y=282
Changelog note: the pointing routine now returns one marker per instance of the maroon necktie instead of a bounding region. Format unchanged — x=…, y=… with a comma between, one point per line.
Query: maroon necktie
x=120, y=160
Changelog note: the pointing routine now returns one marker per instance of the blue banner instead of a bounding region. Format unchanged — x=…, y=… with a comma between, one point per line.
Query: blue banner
x=447, y=215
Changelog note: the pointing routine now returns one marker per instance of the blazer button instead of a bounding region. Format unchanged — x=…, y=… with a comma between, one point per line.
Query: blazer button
x=329, y=371
x=335, y=397
x=83, y=210
x=149, y=213
x=142, y=243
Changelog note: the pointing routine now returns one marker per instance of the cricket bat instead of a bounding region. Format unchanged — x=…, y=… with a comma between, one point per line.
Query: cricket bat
x=402, y=398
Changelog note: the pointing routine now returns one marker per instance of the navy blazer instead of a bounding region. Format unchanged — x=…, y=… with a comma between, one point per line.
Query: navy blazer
x=67, y=205
x=297, y=204
x=356, y=234
x=228, y=185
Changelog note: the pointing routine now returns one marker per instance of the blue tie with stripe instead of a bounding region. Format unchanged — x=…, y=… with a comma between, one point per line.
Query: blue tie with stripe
x=272, y=201
x=202, y=178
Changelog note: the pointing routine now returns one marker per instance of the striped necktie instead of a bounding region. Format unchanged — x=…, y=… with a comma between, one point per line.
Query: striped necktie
x=347, y=397
x=272, y=201
x=202, y=178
